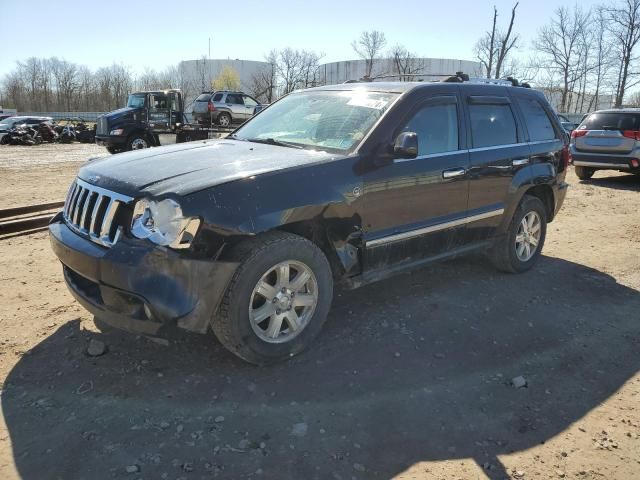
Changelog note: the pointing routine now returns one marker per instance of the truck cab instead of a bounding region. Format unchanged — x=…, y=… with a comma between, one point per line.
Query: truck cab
x=140, y=124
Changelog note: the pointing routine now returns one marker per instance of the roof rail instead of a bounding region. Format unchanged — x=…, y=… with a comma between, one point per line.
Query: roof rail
x=460, y=77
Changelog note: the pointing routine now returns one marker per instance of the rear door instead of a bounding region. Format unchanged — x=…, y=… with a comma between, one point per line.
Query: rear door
x=608, y=132
x=235, y=103
x=498, y=152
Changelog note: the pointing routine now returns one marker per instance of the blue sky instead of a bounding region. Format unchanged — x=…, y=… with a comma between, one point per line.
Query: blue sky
x=160, y=33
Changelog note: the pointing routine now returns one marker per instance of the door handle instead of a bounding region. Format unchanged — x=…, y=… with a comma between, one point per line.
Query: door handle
x=456, y=172
x=519, y=161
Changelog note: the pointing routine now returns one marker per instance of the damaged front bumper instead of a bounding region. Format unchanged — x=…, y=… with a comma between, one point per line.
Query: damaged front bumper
x=138, y=286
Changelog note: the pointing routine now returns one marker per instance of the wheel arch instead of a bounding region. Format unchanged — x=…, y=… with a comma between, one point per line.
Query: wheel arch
x=545, y=193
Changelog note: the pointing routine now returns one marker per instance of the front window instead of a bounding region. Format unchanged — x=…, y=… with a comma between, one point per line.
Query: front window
x=136, y=100
x=326, y=120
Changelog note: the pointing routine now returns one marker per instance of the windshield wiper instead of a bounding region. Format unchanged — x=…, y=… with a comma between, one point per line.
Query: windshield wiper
x=273, y=141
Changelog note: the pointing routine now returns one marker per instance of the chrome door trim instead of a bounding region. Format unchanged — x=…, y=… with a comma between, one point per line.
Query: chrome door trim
x=519, y=161
x=396, y=237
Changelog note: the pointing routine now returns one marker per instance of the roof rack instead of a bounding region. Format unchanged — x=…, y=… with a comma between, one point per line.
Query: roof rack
x=461, y=77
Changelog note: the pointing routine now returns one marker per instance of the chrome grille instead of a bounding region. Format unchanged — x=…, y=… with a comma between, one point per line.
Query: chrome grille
x=92, y=211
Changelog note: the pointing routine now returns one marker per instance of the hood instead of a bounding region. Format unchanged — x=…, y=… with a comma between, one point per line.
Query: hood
x=122, y=113
x=189, y=167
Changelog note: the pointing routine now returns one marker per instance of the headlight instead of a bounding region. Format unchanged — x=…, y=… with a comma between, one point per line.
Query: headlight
x=117, y=131
x=162, y=222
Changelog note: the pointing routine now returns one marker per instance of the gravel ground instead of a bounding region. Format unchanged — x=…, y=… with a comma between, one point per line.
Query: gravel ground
x=412, y=377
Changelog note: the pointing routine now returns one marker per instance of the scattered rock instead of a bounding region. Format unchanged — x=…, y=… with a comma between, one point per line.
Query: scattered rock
x=132, y=468
x=439, y=355
x=251, y=387
x=187, y=467
x=299, y=430
x=358, y=467
x=560, y=473
x=219, y=419
x=397, y=354
x=244, y=444
x=164, y=425
x=96, y=348
x=519, y=382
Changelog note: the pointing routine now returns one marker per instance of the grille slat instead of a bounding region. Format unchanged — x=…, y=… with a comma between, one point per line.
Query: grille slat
x=93, y=211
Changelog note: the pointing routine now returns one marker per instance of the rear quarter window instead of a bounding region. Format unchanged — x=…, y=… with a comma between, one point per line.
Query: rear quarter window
x=217, y=97
x=538, y=122
x=203, y=98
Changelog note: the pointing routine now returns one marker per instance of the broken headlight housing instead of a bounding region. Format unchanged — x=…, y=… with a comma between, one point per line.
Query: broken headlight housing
x=162, y=222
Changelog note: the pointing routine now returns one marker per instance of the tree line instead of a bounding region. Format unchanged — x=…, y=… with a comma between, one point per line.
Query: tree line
x=580, y=56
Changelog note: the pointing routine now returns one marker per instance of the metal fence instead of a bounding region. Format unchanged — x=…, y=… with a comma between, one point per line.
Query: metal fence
x=86, y=116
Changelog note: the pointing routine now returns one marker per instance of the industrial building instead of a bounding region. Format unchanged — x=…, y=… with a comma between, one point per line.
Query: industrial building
x=424, y=69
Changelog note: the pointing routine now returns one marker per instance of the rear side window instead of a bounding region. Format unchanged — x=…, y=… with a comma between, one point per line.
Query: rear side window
x=611, y=121
x=436, y=127
x=538, y=123
x=203, y=98
x=217, y=97
x=492, y=125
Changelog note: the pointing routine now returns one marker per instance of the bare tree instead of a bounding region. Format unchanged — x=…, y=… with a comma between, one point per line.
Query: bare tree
x=624, y=26
x=494, y=47
x=506, y=43
x=263, y=83
x=558, y=44
x=369, y=47
x=405, y=63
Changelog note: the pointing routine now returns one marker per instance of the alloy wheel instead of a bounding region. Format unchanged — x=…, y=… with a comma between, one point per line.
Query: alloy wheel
x=283, y=302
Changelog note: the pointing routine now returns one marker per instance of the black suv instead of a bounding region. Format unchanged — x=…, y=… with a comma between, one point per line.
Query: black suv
x=343, y=184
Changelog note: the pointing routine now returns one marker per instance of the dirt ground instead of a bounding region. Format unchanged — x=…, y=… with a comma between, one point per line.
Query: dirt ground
x=410, y=379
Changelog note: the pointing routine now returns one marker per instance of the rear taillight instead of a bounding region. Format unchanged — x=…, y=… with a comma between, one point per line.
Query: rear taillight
x=566, y=156
x=211, y=107
x=635, y=134
x=578, y=133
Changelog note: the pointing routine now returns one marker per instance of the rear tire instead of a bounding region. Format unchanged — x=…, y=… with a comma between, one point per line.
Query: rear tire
x=515, y=251
x=224, y=119
x=584, y=173
x=280, y=275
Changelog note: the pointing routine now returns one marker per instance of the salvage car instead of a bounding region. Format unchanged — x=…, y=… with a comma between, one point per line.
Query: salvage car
x=339, y=185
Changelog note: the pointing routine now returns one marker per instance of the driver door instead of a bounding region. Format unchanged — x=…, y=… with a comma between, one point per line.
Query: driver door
x=159, y=117
x=415, y=208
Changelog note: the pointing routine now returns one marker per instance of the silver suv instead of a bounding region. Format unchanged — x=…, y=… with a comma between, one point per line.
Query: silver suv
x=607, y=140
x=224, y=108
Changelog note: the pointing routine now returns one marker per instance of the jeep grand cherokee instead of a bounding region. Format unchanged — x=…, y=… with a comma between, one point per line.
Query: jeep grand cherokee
x=342, y=184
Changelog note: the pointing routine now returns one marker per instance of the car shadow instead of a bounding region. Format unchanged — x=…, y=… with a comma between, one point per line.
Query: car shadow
x=413, y=369
x=619, y=182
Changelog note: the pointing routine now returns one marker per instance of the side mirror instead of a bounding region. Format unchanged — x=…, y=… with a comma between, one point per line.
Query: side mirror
x=406, y=145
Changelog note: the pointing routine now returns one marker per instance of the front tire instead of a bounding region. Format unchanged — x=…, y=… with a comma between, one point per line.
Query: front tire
x=137, y=142
x=584, y=173
x=518, y=250
x=278, y=299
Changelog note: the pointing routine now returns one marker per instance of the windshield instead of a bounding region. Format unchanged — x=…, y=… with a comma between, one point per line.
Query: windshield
x=136, y=100
x=336, y=120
